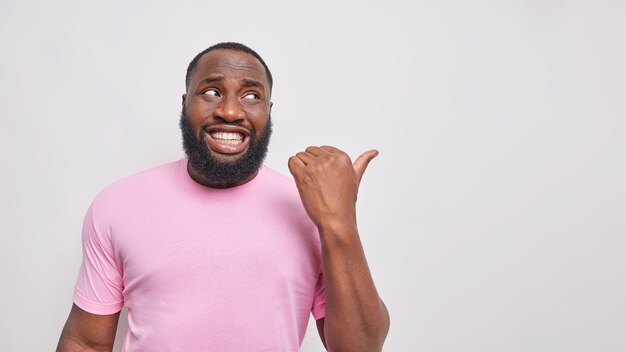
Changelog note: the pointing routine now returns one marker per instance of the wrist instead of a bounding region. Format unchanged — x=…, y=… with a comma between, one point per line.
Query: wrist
x=338, y=230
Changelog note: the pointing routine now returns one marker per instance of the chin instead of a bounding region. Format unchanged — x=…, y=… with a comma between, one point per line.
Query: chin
x=226, y=158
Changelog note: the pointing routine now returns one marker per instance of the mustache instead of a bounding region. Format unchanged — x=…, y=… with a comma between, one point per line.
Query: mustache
x=219, y=173
x=207, y=126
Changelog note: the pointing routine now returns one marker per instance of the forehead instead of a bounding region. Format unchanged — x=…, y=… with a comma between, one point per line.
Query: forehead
x=230, y=64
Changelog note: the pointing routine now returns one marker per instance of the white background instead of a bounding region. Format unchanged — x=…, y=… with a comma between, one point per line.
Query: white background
x=494, y=218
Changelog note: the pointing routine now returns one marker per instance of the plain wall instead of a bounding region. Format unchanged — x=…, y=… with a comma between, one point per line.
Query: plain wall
x=494, y=218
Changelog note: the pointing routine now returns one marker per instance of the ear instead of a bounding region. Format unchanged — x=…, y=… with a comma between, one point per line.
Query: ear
x=184, y=98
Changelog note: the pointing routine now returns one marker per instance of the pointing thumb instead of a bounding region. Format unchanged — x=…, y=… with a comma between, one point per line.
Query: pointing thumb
x=360, y=164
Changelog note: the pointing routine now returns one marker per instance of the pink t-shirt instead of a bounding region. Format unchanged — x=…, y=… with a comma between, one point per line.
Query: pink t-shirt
x=202, y=269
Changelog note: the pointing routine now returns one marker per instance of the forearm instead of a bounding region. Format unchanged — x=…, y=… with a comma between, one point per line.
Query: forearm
x=70, y=344
x=356, y=318
x=86, y=332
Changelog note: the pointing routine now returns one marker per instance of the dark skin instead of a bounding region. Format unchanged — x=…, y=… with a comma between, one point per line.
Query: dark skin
x=231, y=86
x=228, y=87
x=328, y=182
x=84, y=331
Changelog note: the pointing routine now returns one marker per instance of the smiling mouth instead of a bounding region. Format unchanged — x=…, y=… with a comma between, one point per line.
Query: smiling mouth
x=228, y=138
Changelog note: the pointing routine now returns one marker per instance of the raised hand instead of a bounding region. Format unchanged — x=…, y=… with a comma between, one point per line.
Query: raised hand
x=328, y=183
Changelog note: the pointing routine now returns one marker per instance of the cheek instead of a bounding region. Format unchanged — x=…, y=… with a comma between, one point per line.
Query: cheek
x=198, y=111
x=258, y=118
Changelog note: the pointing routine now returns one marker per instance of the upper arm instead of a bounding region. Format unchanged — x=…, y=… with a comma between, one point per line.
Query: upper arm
x=87, y=330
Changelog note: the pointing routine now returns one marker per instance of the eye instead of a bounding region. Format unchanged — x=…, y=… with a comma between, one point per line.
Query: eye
x=213, y=92
x=251, y=95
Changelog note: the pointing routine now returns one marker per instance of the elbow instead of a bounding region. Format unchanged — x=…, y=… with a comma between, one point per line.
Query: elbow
x=377, y=333
x=74, y=344
x=369, y=338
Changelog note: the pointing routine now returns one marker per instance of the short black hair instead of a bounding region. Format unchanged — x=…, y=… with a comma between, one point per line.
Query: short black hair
x=230, y=46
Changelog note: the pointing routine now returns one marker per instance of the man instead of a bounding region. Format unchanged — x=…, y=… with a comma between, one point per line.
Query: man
x=216, y=252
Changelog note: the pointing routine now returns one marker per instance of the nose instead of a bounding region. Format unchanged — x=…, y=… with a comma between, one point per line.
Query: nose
x=229, y=109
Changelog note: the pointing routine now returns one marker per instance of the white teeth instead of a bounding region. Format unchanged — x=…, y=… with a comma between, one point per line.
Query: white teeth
x=230, y=138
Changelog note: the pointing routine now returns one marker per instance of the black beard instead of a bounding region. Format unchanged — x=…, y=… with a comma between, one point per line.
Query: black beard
x=220, y=174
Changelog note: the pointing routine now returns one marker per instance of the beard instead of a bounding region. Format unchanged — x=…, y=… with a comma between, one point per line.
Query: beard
x=218, y=173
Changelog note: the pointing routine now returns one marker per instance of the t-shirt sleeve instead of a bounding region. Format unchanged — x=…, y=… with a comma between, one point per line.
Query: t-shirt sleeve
x=99, y=287
x=318, y=308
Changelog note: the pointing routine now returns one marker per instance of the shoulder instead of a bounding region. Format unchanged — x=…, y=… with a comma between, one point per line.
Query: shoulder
x=278, y=177
x=278, y=182
x=139, y=186
x=280, y=192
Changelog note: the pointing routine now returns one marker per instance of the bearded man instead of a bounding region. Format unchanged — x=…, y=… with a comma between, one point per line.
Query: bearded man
x=217, y=252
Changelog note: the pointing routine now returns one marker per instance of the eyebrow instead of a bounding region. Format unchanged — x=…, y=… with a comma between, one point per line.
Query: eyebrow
x=246, y=81
x=212, y=79
x=251, y=83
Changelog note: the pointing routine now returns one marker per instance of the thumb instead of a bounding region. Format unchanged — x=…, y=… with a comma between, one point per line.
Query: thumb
x=360, y=164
